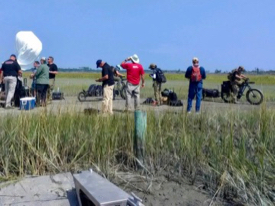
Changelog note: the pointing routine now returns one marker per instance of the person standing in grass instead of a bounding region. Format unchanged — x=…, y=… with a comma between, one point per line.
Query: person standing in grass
x=42, y=82
x=156, y=84
x=53, y=71
x=10, y=71
x=135, y=72
x=107, y=80
x=34, y=69
x=195, y=74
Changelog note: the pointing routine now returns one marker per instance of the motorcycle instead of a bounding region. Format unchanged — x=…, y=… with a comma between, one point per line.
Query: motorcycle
x=120, y=88
x=253, y=96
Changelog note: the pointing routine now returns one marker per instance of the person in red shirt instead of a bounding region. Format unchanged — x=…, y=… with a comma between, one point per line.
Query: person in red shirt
x=135, y=72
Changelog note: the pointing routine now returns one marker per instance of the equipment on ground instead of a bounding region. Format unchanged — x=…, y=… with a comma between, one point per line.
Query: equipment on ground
x=28, y=48
x=94, y=190
x=171, y=98
x=212, y=93
x=253, y=96
x=93, y=91
x=57, y=96
x=27, y=103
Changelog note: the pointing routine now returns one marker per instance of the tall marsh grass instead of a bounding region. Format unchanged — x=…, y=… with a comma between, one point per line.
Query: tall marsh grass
x=231, y=152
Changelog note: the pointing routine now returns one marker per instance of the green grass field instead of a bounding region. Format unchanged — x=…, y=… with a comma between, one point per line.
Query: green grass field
x=72, y=83
x=231, y=152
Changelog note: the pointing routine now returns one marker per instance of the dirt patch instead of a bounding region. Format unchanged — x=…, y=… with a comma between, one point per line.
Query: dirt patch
x=162, y=191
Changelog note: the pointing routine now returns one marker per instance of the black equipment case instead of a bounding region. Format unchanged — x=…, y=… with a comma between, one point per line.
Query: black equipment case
x=58, y=95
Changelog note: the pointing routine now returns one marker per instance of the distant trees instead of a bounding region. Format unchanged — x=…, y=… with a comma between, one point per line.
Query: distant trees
x=217, y=71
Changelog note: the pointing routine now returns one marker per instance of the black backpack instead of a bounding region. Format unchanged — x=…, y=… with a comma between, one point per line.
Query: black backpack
x=177, y=103
x=160, y=76
x=172, y=96
x=210, y=93
x=149, y=101
x=165, y=93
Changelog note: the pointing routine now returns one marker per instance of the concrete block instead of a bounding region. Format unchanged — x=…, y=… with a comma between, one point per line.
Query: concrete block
x=57, y=190
x=94, y=190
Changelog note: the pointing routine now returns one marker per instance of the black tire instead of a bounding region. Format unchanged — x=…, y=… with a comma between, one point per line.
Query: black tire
x=82, y=96
x=123, y=92
x=226, y=97
x=114, y=94
x=254, y=96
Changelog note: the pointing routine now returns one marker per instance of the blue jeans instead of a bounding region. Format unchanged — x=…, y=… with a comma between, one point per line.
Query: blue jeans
x=195, y=89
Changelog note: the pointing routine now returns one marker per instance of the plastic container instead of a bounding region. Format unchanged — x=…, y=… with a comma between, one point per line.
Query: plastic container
x=27, y=103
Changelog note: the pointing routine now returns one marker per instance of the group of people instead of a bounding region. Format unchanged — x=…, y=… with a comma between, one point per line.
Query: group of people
x=135, y=72
x=43, y=75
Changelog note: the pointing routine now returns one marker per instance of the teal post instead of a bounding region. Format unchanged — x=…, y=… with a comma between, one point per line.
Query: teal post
x=139, y=138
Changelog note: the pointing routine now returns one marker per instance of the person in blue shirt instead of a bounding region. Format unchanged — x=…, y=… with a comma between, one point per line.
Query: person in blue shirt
x=195, y=74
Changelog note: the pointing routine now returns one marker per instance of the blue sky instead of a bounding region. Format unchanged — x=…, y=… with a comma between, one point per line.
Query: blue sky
x=223, y=34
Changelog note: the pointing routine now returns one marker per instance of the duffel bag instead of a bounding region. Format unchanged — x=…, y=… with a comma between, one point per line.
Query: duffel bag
x=210, y=93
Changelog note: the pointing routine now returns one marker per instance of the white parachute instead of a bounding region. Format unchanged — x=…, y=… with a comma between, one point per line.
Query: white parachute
x=28, y=48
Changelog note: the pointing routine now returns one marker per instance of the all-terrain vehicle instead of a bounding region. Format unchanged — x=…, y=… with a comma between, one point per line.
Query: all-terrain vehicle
x=253, y=96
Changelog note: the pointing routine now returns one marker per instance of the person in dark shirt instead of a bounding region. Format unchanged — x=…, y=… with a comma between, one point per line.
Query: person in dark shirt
x=156, y=84
x=53, y=70
x=107, y=80
x=11, y=70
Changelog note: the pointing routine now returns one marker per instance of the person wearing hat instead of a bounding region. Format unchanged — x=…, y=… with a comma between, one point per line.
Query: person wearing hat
x=195, y=74
x=11, y=70
x=42, y=82
x=156, y=84
x=235, y=80
x=107, y=80
x=135, y=72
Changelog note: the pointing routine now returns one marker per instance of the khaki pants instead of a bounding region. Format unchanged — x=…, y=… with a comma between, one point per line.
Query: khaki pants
x=235, y=90
x=50, y=89
x=157, y=92
x=107, y=102
x=10, y=84
x=134, y=90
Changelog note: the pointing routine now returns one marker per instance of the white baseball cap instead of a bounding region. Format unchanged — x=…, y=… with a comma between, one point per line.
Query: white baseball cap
x=195, y=59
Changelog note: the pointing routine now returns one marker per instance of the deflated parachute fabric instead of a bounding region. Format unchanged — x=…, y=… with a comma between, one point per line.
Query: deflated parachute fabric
x=28, y=48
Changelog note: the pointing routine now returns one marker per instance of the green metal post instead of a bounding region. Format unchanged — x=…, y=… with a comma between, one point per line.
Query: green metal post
x=139, y=138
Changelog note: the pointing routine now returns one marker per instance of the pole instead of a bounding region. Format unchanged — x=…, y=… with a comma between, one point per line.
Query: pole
x=139, y=138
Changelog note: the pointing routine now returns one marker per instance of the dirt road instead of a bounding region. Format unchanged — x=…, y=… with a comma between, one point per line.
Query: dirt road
x=72, y=103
